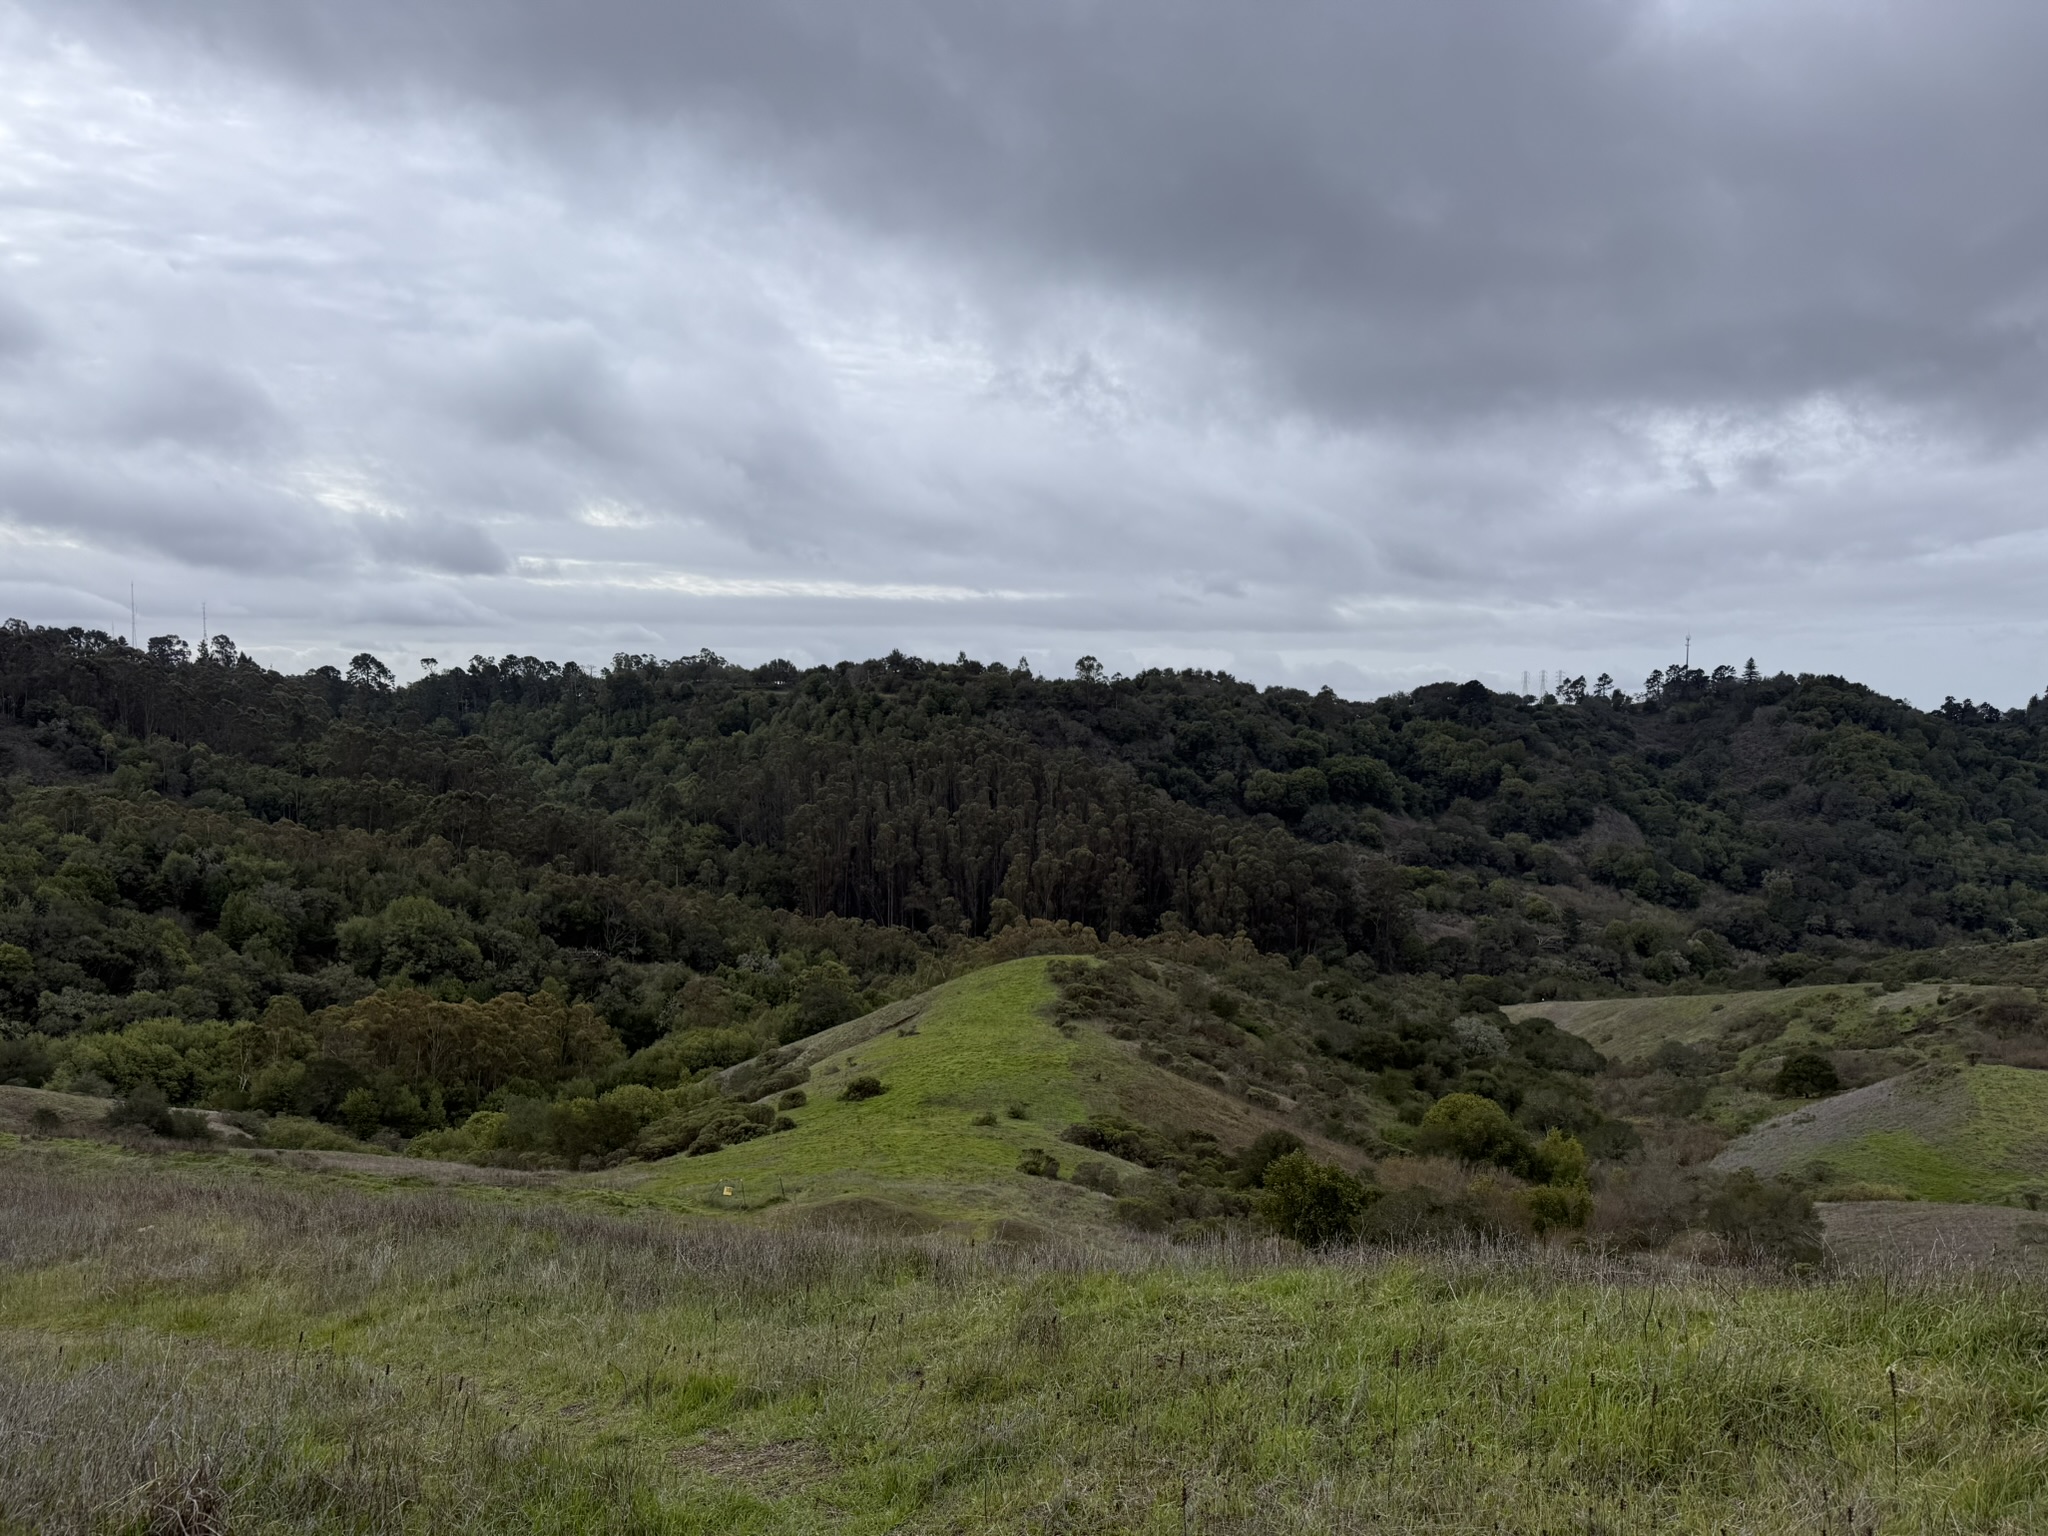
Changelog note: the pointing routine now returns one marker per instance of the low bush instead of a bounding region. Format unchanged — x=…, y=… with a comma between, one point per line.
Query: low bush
x=1806, y=1075
x=704, y=1129
x=864, y=1087
x=1764, y=1219
x=1473, y=1130
x=795, y=1098
x=1178, y=1206
x=147, y=1109
x=27, y=1063
x=1313, y=1203
x=1264, y=1151
x=1120, y=1138
x=295, y=1133
x=1554, y=1206
x=1099, y=1177
x=1039, y=1164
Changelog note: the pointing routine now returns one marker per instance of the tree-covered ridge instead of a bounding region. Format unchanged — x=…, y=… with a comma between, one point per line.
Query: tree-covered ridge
x=1778, y=813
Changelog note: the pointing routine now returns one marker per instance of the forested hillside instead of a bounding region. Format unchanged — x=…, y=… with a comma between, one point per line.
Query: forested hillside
x=387, y=905
x=1782, y=814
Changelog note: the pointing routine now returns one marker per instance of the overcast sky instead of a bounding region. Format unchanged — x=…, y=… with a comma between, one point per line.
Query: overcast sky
x=1355, y=343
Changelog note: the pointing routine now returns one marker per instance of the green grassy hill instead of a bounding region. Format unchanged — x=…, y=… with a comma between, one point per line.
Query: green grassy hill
x=1975, y=1134
x=976, y=1074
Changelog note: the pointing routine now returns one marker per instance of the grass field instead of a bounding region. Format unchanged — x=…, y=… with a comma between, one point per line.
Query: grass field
x=977, y=1047
x=193, y=1344
x=1979, y=1133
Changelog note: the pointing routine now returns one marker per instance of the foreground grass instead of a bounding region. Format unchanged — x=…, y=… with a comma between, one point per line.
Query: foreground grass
x=204, y=1342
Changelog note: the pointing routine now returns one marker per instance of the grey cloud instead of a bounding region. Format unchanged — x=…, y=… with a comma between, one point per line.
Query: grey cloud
x=549, y=387
x=163, y=510
x=191, y=402
x=435, y=544
x=21, y=333
x=1393, y=209
x=1367, y=342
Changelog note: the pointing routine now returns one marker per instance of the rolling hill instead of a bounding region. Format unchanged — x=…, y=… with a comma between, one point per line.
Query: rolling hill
x=976, y=1075
x=1944, y=1100
x=1978, y=1134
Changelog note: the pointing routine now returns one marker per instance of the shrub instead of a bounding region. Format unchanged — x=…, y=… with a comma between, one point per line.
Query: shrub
x=1646, y=1204
x=293, y=1133
x=1039, y=1164
x=1183, y=1207
x=1264, y=1151
x=1143, y=1215
x=863, y=1087
x=146, y=1109
x=1682, y=1060
x=1312, y=1202
x=986, y=1117
x=795, y=1098
x=1417, y=1214
x=2010, y=1012
x=1806, y=1075
x=1561, y=1161
x=728, y=1128
x=485, y=1131
x=360, y=1112
x=1016, y=1111
x=1099, y=1177
x=1473, y=1130
x=45, y=1121
x=822, y=1005
x=703, y=1129
x=1119, y=1138
x=1765, y=1220
x=1551, y=1206
x=27, y=1062
x=670, y=1136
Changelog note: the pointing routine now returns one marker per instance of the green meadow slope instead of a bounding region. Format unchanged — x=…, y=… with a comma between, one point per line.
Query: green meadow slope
x=975, y=1074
